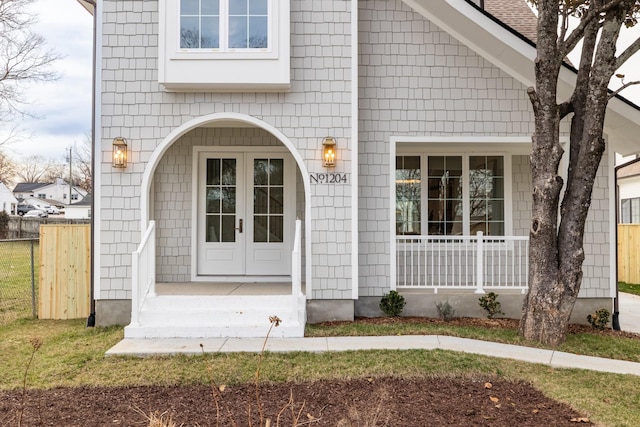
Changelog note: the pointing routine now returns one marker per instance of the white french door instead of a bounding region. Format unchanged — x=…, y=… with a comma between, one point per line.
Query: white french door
x=245, y=210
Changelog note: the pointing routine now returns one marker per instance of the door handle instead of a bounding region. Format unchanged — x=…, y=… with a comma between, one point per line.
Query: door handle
x=240, y=227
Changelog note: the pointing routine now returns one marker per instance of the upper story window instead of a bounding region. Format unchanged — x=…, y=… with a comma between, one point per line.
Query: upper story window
x=217, y=45
x=224, y=24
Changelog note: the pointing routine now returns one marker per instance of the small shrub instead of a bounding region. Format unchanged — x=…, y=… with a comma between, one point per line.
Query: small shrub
x=392, y=304
x=490, y=303
x=599, y=318
x=446, y=311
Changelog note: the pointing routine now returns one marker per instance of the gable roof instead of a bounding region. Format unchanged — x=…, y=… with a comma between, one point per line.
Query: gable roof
x=515, y=54
x=27, y=187
x=5, y=194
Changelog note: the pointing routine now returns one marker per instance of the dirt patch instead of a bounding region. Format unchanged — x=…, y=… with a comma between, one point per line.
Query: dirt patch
x=372, y=402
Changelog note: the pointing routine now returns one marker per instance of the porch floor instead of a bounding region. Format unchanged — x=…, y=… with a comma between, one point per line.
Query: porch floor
x=225, y=288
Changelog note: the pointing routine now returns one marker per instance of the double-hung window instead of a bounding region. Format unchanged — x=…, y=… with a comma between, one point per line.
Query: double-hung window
x=225, y=25
x=450, y=194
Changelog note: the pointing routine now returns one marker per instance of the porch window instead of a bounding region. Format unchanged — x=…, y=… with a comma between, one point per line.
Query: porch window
x=461, y=195
x=224, y=24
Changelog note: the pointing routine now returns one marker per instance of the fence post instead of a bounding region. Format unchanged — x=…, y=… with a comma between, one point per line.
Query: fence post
x=33, y=283
x=479, y=263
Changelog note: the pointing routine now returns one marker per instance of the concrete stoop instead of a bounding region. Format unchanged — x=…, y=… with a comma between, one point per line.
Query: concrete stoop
x=215, y=316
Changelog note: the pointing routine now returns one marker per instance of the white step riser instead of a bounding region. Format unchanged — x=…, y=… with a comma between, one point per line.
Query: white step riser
x=214, y=332
x=231, y=303
x=214, y=317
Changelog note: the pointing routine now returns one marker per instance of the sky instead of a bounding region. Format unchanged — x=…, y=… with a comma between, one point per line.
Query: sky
x=64, y=106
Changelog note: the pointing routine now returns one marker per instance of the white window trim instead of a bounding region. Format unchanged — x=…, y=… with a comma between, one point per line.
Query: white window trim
x=174, y=50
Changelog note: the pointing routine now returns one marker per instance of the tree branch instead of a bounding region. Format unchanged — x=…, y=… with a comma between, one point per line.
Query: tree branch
x=623, y=87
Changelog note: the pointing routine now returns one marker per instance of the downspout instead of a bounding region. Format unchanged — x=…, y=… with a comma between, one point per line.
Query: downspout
x=615, y=320
x=91, y=320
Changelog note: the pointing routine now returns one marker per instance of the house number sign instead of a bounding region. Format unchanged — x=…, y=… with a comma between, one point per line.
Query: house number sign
x=329, y=178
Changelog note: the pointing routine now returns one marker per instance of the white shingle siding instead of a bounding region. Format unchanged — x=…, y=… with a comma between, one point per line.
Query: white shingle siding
x=414, y=80
x=135, y=107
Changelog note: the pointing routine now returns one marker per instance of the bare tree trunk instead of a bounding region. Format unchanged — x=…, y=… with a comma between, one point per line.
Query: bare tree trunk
x=556, y=253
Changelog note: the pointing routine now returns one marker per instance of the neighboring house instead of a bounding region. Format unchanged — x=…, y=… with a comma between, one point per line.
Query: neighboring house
x=57, y=191
x=80, y=210
x=395, y=131
x=8, y=202
x=628, y=181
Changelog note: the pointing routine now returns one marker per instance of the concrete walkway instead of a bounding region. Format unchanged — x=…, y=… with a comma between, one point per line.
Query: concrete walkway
x=629, y=306
x=556, y=359
x=629, y=321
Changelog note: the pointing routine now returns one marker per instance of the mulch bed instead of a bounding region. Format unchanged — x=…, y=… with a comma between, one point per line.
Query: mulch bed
x=357, y=402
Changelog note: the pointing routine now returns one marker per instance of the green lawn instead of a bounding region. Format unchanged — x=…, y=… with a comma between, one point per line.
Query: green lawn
x=15, y=279
x=630, y=288
x=72, y=355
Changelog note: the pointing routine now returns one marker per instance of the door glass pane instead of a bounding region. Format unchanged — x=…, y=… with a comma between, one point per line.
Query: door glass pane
x=261, y=172
x=268, y=200
x=212, y=232
x=276, y=200
x=213, y=200
x=229, y=172
x=260, y=228
x=275, y=229
x=260, y=200
x=229, y=200
x=213, y=171
x=228, y=228
x=220, y=203
x=276, y=172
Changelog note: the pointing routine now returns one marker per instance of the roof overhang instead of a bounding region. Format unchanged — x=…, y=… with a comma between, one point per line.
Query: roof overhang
x=89, y=5
x=516, y=56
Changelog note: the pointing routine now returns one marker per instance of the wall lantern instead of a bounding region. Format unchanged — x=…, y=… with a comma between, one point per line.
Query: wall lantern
x=119, y=152
x=329, y=152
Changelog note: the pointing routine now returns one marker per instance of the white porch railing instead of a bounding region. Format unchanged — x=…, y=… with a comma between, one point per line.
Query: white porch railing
x=462, y=262
x=296, y=265
x=144, y=272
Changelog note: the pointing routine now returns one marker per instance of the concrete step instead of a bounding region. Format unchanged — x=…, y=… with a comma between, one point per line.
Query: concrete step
x=197, y=316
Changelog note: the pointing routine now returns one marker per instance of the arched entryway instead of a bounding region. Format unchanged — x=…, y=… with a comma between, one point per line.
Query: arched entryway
x=248, y=236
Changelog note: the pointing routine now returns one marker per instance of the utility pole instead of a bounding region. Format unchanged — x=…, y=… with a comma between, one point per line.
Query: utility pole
x=70, y=174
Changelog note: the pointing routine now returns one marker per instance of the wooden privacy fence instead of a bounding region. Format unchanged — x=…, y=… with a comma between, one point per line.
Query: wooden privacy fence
x=629, y=253
x=65, y=268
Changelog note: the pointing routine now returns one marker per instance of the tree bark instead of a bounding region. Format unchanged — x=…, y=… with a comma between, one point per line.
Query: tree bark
x=556, y=250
